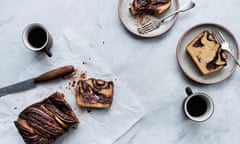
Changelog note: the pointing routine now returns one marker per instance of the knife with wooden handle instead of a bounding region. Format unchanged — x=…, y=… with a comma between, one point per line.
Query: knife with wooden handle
x=31, y=83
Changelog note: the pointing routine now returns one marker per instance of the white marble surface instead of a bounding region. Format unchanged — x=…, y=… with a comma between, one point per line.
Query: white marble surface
x=148, y=67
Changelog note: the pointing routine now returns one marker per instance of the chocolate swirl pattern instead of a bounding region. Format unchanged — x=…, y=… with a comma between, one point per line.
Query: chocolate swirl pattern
x=44, y=122
x=94, y=93
x=207, y=53
x=152, y=7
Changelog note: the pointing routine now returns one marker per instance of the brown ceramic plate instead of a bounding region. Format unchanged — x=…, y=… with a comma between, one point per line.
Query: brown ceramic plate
x=131, y=23
x=187, y=65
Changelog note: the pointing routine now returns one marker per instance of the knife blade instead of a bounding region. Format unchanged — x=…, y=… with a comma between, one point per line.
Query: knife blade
x=31, y=83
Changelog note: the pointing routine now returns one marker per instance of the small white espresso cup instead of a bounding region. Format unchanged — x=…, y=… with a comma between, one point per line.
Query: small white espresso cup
x=198, y=106
x=37, y=38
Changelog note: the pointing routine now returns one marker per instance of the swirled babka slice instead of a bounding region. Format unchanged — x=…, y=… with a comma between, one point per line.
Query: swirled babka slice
x=206, y=53
x=94, y=93
x=151, y=7
x=45, y=121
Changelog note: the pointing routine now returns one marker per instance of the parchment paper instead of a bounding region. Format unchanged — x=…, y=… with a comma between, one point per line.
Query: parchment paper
x=95, y=127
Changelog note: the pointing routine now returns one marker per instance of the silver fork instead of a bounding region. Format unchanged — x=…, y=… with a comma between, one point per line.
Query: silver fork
x=225, y=46
x=154, y=24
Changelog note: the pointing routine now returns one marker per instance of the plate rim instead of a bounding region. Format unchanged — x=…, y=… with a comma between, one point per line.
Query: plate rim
x=142, y=35
x=199, y=25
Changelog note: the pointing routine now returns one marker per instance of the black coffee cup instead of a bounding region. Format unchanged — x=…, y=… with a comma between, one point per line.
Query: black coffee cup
x=198, y=106
x=37, y=38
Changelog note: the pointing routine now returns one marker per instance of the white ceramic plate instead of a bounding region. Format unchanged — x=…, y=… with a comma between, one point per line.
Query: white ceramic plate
x=187, y=65
x=131, y=23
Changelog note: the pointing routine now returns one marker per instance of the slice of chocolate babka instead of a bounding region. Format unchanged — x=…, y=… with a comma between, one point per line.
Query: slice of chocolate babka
x=45, y=121
x=94, y=93
x=206, y=53
x=151, y=7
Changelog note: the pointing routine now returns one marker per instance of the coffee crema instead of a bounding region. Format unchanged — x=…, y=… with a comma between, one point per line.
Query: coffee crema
x=37, y=37
x=196, y=106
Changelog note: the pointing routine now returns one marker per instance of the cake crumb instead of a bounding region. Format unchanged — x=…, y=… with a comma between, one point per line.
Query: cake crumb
x=73, y=83
x=83, y=76
x=89, y=110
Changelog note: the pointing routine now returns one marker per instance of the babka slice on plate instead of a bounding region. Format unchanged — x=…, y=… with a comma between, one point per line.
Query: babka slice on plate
x=206, y=53
x=151, y=7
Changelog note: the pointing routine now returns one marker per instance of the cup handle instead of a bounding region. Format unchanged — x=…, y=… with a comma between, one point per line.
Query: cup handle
x=47, y=51
x=188, y=91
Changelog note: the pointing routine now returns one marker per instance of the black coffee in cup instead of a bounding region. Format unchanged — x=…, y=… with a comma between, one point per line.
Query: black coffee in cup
x=37, y=37
x=196, y=106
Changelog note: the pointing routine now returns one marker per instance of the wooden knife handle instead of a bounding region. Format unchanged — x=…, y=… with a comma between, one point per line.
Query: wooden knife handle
x=54, y=74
